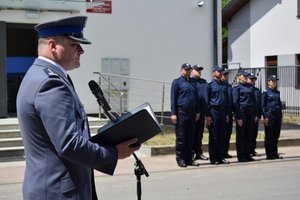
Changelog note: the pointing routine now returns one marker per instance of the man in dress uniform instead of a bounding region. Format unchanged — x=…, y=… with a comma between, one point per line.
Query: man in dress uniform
x=272, y=113
x=54, y=127
x=217, y=100
x=245, y=109
x=199, y=127
x=252, y=79
x=225, y=79
x=184, y=113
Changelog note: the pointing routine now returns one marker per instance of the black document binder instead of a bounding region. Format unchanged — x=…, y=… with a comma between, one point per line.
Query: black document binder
x=139, y=123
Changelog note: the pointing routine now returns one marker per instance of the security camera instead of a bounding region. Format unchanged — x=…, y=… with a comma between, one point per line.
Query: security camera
x=200, y=3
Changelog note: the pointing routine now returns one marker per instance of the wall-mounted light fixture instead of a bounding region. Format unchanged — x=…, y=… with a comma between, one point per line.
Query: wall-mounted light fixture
x=200, y=3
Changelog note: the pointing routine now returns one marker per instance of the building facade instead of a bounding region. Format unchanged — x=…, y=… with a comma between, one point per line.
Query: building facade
x=264, y=36
x=145, y=39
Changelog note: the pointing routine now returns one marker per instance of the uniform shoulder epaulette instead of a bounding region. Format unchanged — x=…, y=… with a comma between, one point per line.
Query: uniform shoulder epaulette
x=50, y=73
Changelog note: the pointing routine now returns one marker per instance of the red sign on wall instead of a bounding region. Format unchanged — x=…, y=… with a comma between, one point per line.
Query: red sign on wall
x=98, y=6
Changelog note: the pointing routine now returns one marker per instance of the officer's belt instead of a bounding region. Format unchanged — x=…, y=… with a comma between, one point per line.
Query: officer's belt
x=247, y=108
x=186, y=109
x=218, y=107
x=274, y=112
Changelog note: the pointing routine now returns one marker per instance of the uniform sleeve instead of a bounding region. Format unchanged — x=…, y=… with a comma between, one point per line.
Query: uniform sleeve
x=174, y=97
x=58, y=109
x=229, y=101
x=258, y=102
x=207, y=99
x=255, y=103
x=198, y=99
x=235, y=101
x=264, y=105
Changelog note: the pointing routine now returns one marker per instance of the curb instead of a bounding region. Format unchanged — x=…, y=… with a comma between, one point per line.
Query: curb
x=170, y=149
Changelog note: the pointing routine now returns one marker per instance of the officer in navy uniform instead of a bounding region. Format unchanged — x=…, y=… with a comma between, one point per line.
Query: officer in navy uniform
x=217, y=100
x=272, y=114
x=54, y=127
x=225, y=79
x=184, y=113
x=245, y=109
x=252, y=79
x=199, y=129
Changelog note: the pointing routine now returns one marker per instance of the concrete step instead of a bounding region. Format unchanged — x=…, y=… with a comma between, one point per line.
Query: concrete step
x=12, y=123
x=11, y=142
x=11, y=146
x=11, y=151
x=12, y=133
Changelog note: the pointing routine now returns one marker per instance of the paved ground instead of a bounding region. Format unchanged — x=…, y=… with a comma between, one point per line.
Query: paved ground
x=12, y=172
x=261, y=179
x=163, y=168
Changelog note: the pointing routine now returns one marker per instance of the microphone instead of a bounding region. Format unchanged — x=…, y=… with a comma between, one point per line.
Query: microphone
x=98, y=93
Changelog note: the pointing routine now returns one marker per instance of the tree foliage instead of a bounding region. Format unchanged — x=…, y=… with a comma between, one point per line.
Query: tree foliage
x=224, y=29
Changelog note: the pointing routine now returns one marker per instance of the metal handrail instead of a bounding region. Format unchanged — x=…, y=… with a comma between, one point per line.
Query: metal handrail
x=119, y=91
x=163, y=94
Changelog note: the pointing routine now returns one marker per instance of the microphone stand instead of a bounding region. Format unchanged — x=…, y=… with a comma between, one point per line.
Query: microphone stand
x=139, y=168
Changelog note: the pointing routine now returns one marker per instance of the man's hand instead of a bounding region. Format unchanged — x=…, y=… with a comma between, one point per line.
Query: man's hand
x=125, y=150
x=197, y=117
x=240, y=122
x=266, y=121
x=208, y=121
x=174, y=119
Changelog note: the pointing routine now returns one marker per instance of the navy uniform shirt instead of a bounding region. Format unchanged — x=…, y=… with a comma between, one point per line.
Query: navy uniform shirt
x=258, y=100
x=271, y=102
x=201, y=86
x=184, y=95
x=217, y=95
x=229, y=88
x=243, y=97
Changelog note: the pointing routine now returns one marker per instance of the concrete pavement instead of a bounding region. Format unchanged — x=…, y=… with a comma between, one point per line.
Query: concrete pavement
x=12, y=172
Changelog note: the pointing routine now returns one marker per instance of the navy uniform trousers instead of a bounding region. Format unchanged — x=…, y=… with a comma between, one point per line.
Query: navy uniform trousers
x=199, y=129
x=228, y=133
x=244, y=134
x=185, y=134
x=272, y=133
x=217, y=134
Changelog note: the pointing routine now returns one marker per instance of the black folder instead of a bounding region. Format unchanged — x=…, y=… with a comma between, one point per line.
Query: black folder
x=139, y=123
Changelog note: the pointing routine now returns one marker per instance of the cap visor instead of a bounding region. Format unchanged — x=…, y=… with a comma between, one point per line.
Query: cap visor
x=80, y=40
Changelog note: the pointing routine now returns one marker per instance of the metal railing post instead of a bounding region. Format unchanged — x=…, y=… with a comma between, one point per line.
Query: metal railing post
x=162, y=105
x=100, y=109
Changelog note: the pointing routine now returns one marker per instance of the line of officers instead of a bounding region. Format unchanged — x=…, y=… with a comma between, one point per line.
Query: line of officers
x=196, y=103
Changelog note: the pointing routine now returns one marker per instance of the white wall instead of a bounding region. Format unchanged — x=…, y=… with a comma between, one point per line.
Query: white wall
x=156, y=36
x=273, y=30
x=239, y=39
x=277, y=33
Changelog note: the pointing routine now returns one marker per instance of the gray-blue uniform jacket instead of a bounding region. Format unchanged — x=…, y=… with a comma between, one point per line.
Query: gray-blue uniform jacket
x=54, y=128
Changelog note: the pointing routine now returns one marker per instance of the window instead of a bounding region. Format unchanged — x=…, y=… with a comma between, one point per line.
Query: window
x=271, y=64
x=297, y=71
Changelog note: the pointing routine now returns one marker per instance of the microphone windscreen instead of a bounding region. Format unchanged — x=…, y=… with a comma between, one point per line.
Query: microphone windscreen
x=93, y=86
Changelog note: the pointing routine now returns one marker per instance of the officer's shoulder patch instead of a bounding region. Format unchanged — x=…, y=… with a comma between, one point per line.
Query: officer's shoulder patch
x=50, y=73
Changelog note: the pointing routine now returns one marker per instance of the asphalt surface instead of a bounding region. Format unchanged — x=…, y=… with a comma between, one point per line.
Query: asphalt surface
x=261, y=179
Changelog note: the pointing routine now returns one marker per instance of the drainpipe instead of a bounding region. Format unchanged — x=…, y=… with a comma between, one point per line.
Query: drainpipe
x=215, y=32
